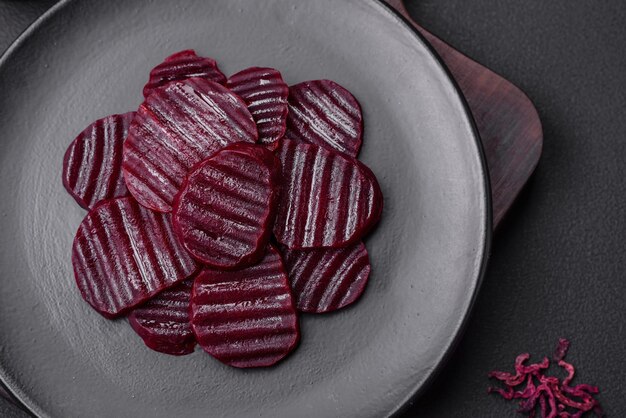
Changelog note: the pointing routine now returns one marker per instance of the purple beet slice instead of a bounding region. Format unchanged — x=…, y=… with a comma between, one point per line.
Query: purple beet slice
x=325, y=280
x=245, y=318
x=163, y=321
x=328, y=198
x=324, y=113
x=180, y=66
x=124, y=254
x=175, y=128
x=265, y=93
x=92, y=165
x=224, y=212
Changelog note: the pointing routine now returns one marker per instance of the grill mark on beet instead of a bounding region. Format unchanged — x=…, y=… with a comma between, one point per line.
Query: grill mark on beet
x=341, y=291
x=331, y=200
x=176, y=127
x=323, y=113
x=92, y=162
x=122, y=258
x=96, y=157
x=224, y=210
x=332, y=116
x=306, y=195
x=106, y=235
x=324, y=280
x=314, y=288
x=163, y=321
x=265, y=93
x=180, y=66
x=245, y=318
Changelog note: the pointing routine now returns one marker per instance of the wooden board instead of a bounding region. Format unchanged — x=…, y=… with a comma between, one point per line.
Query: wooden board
x=506, y=119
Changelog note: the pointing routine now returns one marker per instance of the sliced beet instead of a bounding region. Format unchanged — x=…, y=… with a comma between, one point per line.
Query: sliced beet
x=323, y=113
x=328, y=198
x=180, y=66
x=175, y=128
x=224, y=212
x=123, y=254
x=92, y=165
x=325, y=280
x=265, y=93
x=245, y=318
x=163, y=321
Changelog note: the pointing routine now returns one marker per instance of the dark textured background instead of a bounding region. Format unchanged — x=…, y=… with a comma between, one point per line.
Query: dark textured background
x=558, y=261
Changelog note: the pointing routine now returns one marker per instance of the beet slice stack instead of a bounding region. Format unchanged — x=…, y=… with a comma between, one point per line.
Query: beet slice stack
x=189, y=194
x=92, y=163
x=245, y=318
x=175, y=128
x=124, y=254
x=163, y=321
x=225, y=208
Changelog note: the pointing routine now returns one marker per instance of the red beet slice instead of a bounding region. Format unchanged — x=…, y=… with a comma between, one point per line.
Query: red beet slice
x=175, y=128
x=163, y=321
x=180, y=66
x=124, y=254
x=245, y=318
x=328, y=199
x=265, y=93
x=322, y=112
x=325, y=280
x=92, y=166
x=224, y=212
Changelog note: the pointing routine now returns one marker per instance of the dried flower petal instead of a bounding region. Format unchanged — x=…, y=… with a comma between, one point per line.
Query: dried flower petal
x=556, y=398
x=561, y=349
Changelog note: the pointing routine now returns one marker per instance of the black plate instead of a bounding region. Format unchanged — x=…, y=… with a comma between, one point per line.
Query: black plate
x=86, y=59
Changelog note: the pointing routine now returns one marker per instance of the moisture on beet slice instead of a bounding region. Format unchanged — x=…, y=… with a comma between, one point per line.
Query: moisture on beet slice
x=224, y=211
x=324, y=280
x=163, y=321
x=180, y=66
x=324, y=113
x=265, y=93
x=92, y=165
x=328, y=199
x=175, y=128
x=245, y=318
x=124, y=254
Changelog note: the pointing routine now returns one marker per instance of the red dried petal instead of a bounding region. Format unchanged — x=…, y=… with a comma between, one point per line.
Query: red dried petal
x=570, y=371
x=561, y=349
x=528, y=391
x=586, y=405
x=553, y=394
x=535, y=368
x=505, y=393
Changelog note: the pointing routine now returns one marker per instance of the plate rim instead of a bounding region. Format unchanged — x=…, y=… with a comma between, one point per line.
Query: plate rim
x=486, y=229
x=487, y=232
